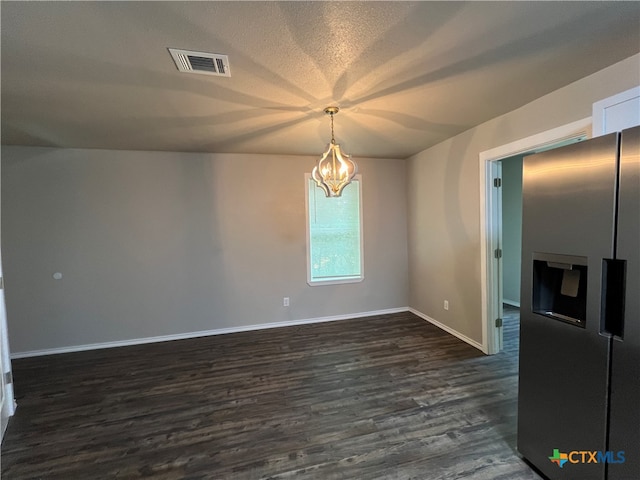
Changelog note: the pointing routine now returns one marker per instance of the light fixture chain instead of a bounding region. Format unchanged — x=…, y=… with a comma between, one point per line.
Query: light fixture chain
x=333, y=140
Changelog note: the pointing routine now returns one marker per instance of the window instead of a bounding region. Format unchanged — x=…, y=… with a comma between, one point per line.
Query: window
x=334, y=234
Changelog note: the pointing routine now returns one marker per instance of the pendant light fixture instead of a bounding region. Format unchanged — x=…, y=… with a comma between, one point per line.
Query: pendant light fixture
x=335, y=169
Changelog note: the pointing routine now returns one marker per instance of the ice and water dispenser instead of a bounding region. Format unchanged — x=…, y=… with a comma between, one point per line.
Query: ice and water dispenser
x=560, y=287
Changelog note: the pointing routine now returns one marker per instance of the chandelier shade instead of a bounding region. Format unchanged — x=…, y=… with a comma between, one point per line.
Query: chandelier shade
x=334, y=169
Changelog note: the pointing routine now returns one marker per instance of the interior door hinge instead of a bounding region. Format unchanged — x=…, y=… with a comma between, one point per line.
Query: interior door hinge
x=498, y=322
x=497, y=182
x=8, y=378
x=498, y=253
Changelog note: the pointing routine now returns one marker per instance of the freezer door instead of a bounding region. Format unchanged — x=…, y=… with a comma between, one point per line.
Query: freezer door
x=567, y=231
x=625, y=374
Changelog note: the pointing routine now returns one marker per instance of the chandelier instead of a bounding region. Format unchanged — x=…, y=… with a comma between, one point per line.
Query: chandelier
x=335, y=169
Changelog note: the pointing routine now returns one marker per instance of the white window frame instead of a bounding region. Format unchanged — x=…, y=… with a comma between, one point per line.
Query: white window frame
x=315, y=283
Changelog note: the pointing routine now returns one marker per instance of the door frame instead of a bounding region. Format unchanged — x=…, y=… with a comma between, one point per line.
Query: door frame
x=491, y=220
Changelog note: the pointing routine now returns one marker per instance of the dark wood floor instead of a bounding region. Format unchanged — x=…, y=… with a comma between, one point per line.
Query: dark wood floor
x=387, y=397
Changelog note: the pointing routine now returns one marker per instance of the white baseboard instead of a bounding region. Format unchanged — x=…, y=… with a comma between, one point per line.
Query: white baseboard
x=203, y=333
x=449, y=330
x=511, y=302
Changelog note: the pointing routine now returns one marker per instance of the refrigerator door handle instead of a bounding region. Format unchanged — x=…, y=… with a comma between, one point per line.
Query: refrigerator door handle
x=613, y=297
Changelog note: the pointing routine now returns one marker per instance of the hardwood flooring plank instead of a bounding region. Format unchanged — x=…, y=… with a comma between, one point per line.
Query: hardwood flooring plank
x=384, y=397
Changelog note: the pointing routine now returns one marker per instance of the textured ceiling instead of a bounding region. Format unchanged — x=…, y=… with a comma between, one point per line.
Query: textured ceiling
x=406, y=75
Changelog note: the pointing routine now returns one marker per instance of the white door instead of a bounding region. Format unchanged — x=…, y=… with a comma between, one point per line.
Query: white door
x=496, y=242
x=7, y=405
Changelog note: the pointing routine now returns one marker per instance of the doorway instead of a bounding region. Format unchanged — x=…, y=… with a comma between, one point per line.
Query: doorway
x=509, y=220
x=491, y=220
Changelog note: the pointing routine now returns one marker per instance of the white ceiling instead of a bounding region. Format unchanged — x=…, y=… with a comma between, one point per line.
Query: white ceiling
x=406, y=75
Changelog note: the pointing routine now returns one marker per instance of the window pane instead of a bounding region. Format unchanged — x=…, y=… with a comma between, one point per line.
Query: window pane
x=334, y=234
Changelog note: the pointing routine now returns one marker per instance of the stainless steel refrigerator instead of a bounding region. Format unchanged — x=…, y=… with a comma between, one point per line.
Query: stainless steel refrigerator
x=579, y=383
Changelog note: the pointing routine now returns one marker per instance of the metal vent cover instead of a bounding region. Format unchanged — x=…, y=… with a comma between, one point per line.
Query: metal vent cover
x=201, y=62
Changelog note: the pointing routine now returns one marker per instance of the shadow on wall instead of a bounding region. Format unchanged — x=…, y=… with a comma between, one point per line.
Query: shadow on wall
x=464, y=245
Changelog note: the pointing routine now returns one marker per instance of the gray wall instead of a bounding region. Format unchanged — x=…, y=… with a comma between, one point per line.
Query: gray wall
x=153, y=243
x=511, y=228
x=443, y=196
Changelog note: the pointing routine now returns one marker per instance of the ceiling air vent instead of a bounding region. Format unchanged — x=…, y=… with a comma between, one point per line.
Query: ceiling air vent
x=201, y=62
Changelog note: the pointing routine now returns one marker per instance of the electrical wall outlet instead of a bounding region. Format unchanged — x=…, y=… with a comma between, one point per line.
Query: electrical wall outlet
x=285, y=302
x=446, y=304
